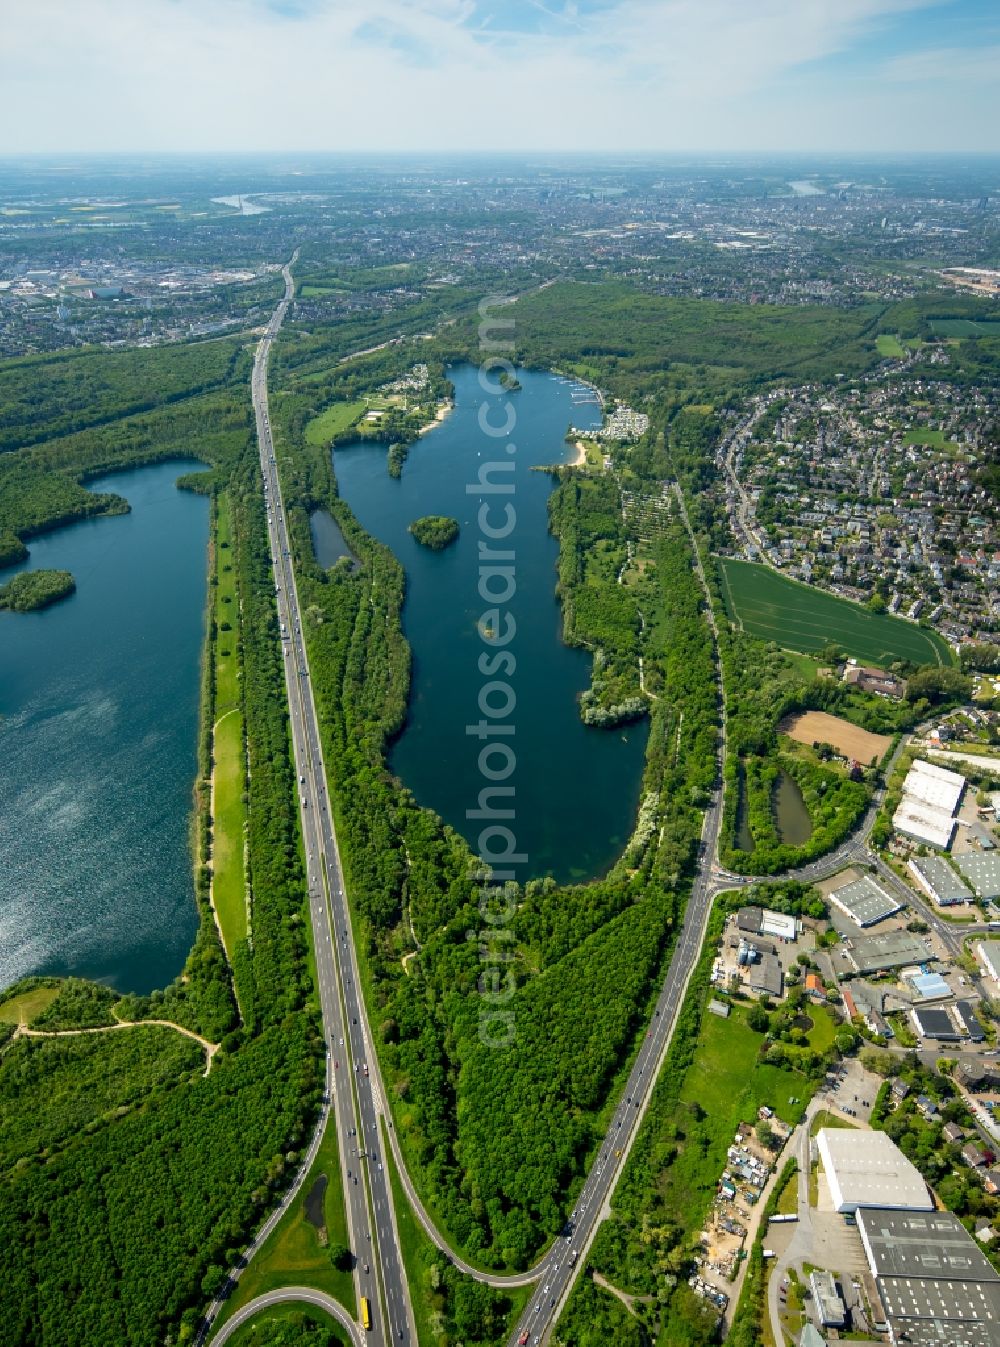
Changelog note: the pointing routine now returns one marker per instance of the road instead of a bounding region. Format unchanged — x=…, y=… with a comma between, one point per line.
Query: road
x=354, y=1089
x=558, y=1269
x=298, y=1295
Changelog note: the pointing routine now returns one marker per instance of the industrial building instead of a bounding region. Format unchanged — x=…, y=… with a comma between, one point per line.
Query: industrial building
x=766, y=977
x=935, y=1023
x=931, y=795
x=935, y=786
x=865, y=901
x=880, y=953
x=939, y=880
x=988, y=953
x=935, y=1285
x=948, y=1024
x=930, y=986
x=982, y=870
x=970, y=1021
x=830, y=1308
x=762, y=921
x=867, y=1169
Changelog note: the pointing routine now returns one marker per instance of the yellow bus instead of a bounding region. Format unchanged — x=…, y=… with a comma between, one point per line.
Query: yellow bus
x=366, y=1314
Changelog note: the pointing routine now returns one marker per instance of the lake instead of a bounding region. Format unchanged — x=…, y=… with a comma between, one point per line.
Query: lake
x=791, y=817
x=98, y=743
x=327, y=540
x=576, y=788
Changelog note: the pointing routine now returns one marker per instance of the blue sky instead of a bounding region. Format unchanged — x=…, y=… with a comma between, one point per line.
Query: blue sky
x=646, y=75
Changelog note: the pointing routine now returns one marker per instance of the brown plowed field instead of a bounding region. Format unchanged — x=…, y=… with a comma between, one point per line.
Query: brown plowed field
x=816, y=727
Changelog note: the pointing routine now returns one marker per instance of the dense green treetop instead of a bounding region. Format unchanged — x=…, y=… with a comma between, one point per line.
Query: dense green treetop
x=35, y=589
x=435, y=531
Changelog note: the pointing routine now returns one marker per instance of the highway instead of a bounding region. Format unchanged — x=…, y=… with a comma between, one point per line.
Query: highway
x=352, y=1072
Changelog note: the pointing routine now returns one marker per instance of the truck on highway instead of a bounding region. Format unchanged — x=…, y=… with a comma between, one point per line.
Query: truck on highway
x=366, y=1314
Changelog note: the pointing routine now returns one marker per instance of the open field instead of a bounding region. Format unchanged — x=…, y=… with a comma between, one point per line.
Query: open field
x=963, y=327
x=794, y=615
x=294, y=1256
x=888, y=344
x=817, y=727
x=934, y=439
x=228, y=882
x=725, y=1085
x=322, y=428
x=23, y=1009
x=229, y=764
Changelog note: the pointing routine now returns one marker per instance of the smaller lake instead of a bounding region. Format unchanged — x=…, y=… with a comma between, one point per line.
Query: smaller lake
x=328, y=542
x=791, y=817
x=98, y=743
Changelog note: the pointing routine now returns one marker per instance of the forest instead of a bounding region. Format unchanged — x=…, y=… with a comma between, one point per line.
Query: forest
x=647, y=347
x=47, y=396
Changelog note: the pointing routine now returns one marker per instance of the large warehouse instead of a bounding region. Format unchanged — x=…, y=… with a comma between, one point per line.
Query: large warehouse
x=936, y=1286
x=982, y=870
x=864, y=901
x=867, y=1169
x=931, y=795
x=937, y=879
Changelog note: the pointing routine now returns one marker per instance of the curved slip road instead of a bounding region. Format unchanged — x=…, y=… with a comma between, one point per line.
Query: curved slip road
x=304, y=1295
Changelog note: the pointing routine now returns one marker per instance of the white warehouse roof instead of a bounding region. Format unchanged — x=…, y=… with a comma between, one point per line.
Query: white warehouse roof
x=923, y=822
x=867, y=1169
x=934, y=785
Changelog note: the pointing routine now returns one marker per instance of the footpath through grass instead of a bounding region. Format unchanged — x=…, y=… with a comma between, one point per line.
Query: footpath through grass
x=799, y=617
x=229, y=763
x=297, y=1252
x=22, y=1009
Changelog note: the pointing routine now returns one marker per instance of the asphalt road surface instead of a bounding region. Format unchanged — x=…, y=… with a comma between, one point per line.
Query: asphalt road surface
x=298, y=1295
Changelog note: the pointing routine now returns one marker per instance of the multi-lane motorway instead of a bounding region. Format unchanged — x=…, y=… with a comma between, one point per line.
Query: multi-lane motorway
x=352, y=1068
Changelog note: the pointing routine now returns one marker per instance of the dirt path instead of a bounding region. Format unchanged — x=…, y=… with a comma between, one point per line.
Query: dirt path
x=628, y=1301
x=210, y=1049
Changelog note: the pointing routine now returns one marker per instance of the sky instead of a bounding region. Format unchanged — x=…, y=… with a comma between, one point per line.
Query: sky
x=98, y=76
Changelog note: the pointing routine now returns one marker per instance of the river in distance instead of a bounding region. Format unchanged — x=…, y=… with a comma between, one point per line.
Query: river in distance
x=98, y=743
x=576, y=788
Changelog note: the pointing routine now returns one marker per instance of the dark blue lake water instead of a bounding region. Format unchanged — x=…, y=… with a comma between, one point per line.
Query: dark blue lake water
x=98, y=743
x=576, y=789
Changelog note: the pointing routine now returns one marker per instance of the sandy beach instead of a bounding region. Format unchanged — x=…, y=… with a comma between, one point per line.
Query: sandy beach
x=442, y=413
x=581, y=455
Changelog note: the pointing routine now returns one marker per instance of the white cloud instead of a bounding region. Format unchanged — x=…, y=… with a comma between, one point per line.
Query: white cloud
x=392, y=74
x=952, y=65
